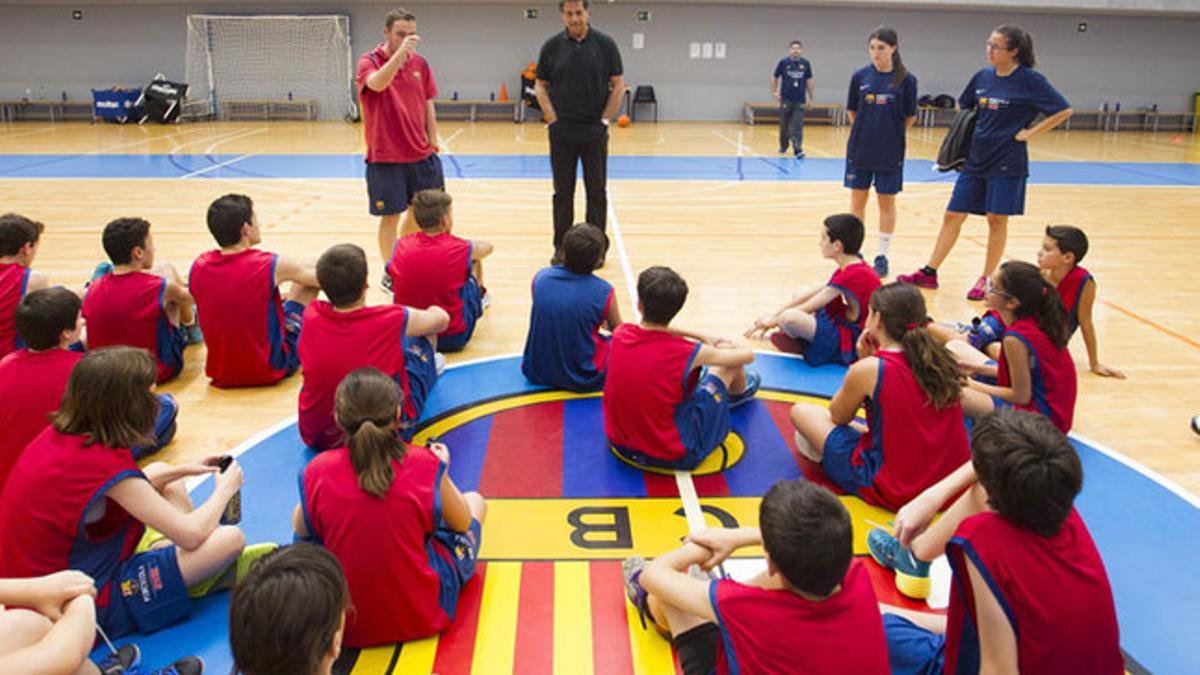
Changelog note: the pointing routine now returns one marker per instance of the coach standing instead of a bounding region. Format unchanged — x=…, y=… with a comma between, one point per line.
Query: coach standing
x=579, y=87
x=396, y=87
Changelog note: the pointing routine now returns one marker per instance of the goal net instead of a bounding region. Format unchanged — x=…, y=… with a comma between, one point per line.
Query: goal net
x=277, y=65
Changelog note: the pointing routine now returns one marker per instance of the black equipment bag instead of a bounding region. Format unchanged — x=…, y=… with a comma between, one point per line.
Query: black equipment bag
x=163, y=100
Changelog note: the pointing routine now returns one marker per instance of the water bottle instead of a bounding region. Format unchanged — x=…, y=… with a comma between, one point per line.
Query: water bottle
x=289, y=95
x=232, y=515
x=492, y=96
x=454, y=96
x=28, y=94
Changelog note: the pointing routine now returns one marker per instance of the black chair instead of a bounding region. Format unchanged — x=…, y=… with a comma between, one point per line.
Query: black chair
x=643, y=94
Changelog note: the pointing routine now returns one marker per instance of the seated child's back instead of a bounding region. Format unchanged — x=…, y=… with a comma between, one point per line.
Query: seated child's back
x=564, y=347
x=19, y=238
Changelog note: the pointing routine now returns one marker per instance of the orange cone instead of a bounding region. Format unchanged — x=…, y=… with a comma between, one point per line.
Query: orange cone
x=503, y=93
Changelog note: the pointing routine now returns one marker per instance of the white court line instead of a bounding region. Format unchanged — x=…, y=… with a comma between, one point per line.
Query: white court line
x=1164, y=482
x=200, y=172
x=215, y=144
x=27, y=132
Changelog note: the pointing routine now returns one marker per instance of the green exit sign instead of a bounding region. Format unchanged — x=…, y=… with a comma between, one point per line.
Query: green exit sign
x=643, y=15
x=531, y=13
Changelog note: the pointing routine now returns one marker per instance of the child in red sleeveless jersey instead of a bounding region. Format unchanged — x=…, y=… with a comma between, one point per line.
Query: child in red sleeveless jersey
x=345, y=334
x=1035, y=370
x=1062, y=250
x=305, y=583
x=32, y=380
x=668, y=391
x=824, y=323
x=250, y=331
x=19, y=240
x=139, y=303
x=1021, y=557
x=404, y=534
x=812, y=611
x=435, y=267
x=76, y=500
x=910, y=387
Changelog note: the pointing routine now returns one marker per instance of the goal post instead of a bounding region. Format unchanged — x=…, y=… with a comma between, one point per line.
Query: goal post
x=238, y=61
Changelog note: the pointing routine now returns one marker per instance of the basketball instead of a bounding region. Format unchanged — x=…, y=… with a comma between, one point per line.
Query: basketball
x=623, y=121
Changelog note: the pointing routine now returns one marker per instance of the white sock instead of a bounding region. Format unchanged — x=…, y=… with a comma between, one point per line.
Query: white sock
x=885, y=240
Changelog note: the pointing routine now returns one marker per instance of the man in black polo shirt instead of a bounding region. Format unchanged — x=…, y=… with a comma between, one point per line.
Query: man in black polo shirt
x=579, y=87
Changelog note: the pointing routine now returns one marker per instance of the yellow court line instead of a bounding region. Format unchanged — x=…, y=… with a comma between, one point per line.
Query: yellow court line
x=374, y=660
x=416, y=658
x=651, y=652
x=572, y=619
x=496, y=636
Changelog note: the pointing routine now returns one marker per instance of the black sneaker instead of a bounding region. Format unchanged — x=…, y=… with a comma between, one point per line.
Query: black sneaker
x=386, y=284
x=125, y=660
x=188, y=665
x=800, y=154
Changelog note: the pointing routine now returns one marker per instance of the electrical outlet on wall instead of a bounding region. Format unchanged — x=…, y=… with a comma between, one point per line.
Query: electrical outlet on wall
x=706, y=50
x=719, y=50
x=639, y=40
x=1081, y=27
x=77, y=14
x=694, y=50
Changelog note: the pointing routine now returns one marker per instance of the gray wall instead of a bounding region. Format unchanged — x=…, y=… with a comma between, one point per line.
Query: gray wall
x=1135, y=60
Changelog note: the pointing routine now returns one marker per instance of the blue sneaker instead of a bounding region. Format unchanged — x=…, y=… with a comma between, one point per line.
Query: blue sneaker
x=912, y=575
x=124, y=661
x=192, y=334
x=881, y=266
x=753, y=380
x=188, y=665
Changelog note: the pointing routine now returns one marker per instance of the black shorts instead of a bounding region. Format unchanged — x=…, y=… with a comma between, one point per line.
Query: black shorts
x=697, y=649
x=392, y=186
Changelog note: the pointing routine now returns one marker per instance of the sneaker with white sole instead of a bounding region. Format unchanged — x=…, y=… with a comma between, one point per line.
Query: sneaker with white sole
x=439, y=363
x=979, y=290
x=188, y=665
x=124, y=661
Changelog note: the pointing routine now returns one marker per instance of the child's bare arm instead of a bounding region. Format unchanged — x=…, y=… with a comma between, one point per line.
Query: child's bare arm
x=724, y=354
x=61, y=650
x=290, y=269
x=997, y=640
x=824, y=296
x=612, y=315
x=1021, y=391
x=426, y=321
x=1087, y=299
x=188, y=530
x=666, y=577
x=481, y=249
x=932, y=542
x=914, y=517
x=856, y=387
x=37, y=281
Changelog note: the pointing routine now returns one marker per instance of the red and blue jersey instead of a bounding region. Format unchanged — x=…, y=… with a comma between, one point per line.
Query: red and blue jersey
x=14, y=279
x=779, y=631
x=1070, y=289
x=651, y=376
x=43, y=509
x=564, y=348
x=335, y=343
x=385, y=545
x=432, y=269
x=1053, y=590
x=881, y=111
x=241, y=315
x=31, y=387
x=129, y=309
x=909, y=444
x=1052, y=374
x=855, y=284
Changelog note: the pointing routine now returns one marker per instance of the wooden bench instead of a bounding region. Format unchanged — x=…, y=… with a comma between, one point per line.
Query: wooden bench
x=268, y=109
x=49, y=109
x=829, y=113
x=473, y=109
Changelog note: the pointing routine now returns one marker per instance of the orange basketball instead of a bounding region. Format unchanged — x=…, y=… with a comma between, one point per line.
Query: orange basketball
x=623, y=121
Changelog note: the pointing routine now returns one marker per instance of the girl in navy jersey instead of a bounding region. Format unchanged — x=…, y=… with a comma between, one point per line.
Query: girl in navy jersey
x=1035, y=370
x=882, y=104
x=405, y=536
x=1007, y=97
x=910, y=386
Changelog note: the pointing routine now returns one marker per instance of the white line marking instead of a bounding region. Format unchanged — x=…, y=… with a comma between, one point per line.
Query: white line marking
x=1163, y=481
x=199, y=172
x=212, y=148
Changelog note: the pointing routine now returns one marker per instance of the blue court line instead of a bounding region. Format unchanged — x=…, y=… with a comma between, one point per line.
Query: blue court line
x=629, y=167
x=1146, y=534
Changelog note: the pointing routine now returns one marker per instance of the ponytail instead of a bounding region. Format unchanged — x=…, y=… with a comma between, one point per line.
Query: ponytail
x=887, y=35
x=901, y=310
x=1038, y=299
x=1019, y=40
x=365, y=407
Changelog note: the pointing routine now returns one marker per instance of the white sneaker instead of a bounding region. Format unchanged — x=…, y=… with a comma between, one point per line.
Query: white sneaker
x=807, y=450
x=485, y=301
x=439, y=362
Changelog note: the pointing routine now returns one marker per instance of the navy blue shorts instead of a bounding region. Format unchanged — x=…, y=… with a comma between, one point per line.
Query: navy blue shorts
x=293, y=323
x=886, y=182
x=147, y=594
x=391, y=187
x=472, y=300
x=1001, y=195
x=456, y=569
x=826, y=345
x=164, y=427
x=703, y=424
x=836, y=462
x=169, y=344
x=421, y=366
x=912, y=650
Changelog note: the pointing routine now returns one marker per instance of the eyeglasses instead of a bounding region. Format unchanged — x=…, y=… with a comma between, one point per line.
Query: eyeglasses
x=993, y=47
x=992, y=289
